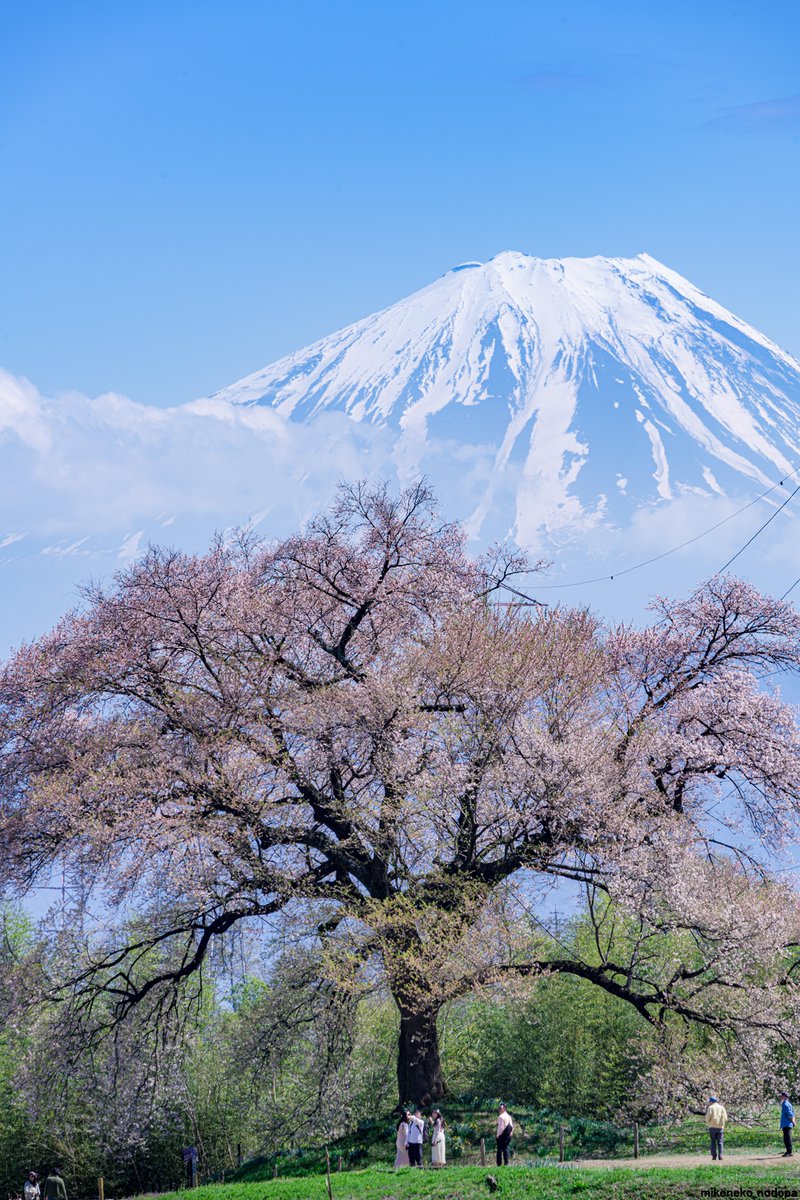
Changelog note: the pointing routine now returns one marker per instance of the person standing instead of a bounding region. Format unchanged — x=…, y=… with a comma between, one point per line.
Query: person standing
x=437, y=1139
x=416, y=1135
x=716, y=1120
x=31, y=1190
x=505, y=1128
x=787, y=1124
x=54, y=1186
x=401, y=1159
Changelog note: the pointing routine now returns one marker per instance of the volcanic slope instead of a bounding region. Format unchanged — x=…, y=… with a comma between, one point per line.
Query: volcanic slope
x=568, y=392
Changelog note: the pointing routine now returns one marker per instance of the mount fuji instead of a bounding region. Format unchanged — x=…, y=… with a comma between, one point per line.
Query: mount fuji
x=555, y=395
x=598, y=411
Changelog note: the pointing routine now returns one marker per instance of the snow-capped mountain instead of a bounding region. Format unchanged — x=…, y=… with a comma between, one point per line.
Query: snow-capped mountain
x=570, y=391
x=600, y=410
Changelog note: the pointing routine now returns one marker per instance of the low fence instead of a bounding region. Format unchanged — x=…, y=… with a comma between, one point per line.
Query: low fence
x=539, y=1139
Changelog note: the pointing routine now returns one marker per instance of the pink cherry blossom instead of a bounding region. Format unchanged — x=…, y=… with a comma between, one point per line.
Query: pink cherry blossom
x=344, y=725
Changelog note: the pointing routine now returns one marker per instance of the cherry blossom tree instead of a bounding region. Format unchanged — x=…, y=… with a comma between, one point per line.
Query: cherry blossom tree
x=344, y=725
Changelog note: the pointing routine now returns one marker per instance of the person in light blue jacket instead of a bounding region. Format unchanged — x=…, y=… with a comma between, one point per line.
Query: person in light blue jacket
x=787, y=1124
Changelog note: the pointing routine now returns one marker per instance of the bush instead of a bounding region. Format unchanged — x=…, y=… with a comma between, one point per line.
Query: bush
x=455, y=1146
x=596, y=1135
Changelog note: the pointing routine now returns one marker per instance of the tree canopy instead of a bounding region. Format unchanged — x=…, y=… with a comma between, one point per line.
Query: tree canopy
x=343, y=726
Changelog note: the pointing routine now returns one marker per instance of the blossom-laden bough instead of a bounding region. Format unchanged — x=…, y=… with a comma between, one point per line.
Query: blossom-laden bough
x=344, y=727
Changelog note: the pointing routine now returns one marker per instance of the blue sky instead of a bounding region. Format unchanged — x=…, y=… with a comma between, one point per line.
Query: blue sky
x=190, y=190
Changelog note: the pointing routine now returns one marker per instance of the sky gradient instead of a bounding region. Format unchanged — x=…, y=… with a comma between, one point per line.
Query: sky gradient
x=190, y=190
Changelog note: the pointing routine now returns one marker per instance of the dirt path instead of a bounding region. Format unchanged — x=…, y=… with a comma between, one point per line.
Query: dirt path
x=740, y=1158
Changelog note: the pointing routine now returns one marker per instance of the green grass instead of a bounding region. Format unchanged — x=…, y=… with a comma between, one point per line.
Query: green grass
x=367, y=1153
x=514, y=1183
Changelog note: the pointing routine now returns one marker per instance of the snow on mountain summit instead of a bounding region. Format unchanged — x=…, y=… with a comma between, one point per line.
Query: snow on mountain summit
x=586, y=387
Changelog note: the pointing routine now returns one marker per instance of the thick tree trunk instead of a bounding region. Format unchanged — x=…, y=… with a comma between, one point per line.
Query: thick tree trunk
x=419, y=1067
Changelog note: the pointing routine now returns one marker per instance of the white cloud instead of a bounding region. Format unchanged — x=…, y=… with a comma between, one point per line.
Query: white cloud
x=21, y=412
x=79, y=474
x=103, y=465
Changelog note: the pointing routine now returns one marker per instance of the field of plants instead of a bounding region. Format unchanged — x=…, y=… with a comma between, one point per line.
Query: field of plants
x=514, y=1183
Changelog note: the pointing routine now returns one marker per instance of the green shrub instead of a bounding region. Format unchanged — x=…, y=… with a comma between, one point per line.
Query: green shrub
x=467, y=1130
x=455, y=1146
x=593, y=1136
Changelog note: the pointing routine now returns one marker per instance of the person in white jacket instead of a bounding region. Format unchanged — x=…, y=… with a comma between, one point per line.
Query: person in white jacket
x=716, y=1120
x=31, y=1190
x=437, y=1139
x=416, y=1136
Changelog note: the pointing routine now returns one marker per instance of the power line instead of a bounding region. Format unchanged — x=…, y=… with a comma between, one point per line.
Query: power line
x=759, y=530
x=682, y=545
x=791, y=589
x=526, y=599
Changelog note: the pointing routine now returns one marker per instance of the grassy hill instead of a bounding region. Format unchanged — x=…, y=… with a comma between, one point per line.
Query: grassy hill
x=514, y=1183
x=535, y=1143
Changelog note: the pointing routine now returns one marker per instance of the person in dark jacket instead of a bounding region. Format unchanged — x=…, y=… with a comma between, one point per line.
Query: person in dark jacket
x=54, y=1186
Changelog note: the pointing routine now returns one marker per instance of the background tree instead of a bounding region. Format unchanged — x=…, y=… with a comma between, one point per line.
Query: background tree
x=559, y=1043
x=284, y=1064
x=340, y=727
